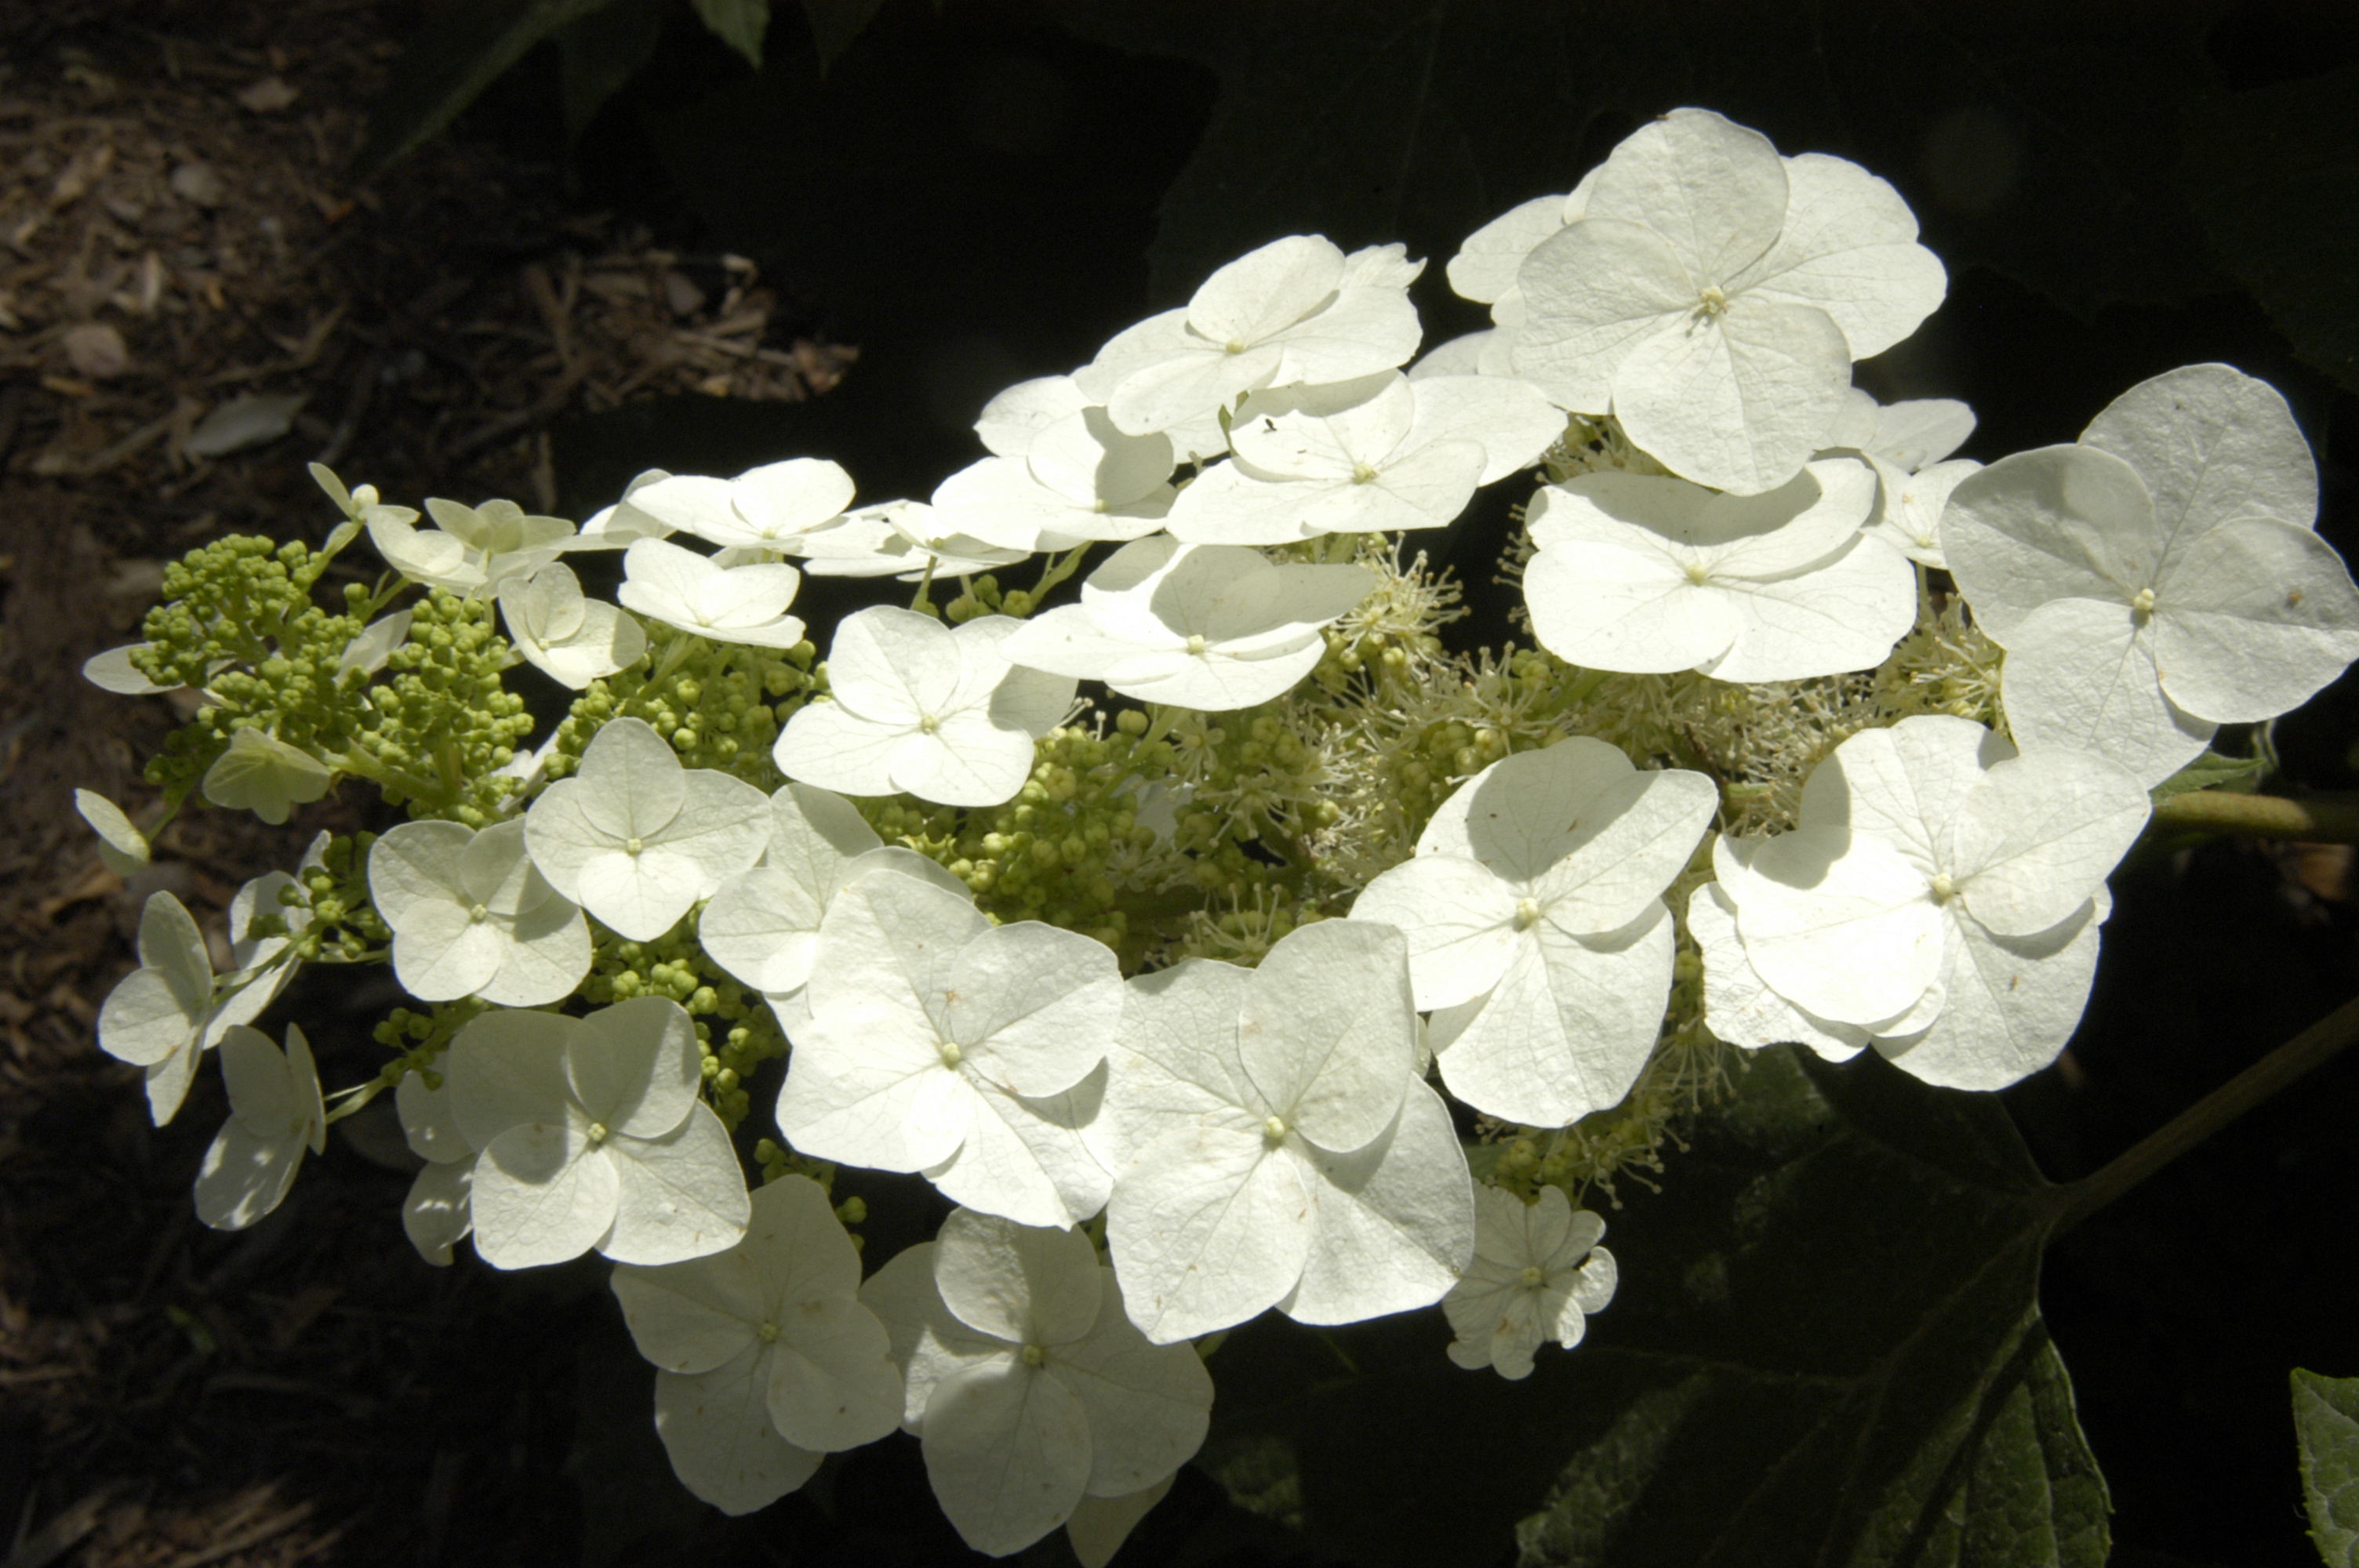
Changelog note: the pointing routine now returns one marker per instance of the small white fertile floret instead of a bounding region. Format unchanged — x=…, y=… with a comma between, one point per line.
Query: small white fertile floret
x=1647, y=575
x=1537, y=1274
x=275, y=1113
x=917, y=706
x=1029, y=1389
x=1212, y=627
x=636, y=839
x=1712, y=296
x=2158, y=578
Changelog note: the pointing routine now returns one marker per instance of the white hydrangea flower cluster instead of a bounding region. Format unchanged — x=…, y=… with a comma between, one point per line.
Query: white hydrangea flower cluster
x=1159, y=1002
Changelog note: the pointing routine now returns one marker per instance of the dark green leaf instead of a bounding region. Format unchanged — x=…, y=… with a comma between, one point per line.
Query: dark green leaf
x=2208, y=772
x=2326, y=1421
x=1827, y=1351
x=740, y=23
x=835, y=23
x=601, y=51
x=2274, y=174
x=452, y=59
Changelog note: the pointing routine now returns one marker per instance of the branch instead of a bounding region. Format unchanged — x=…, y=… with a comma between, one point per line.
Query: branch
x=2313, y=1047
x=2311, y=818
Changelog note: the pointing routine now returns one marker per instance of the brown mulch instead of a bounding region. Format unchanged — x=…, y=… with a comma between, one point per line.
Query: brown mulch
x=193, y=304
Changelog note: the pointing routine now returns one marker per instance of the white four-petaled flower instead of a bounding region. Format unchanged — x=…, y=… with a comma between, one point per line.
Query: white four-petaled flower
x=275, y=1113
x=1941, y=894
x=472, y=917
x=1296, y=310
x=1212, y=627
x=940, y=1043
x=1273, y=1144
x=773, y=507
x=1380, y=452
x=1536, y=930
x=1647, y=574
x=573, y=638
x=262, y=773
x=935, y=710
x=696, y=594
x=2158, y=578
x=475, y=549
x=1029, y=1387
x=1712, y=296
x=164, y=1016
x=1078, y=479
x=588, y=1134
x=636, y=839
x=767, y=1357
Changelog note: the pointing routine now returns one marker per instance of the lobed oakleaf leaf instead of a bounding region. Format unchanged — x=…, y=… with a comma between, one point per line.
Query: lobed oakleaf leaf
x=1710, y=1412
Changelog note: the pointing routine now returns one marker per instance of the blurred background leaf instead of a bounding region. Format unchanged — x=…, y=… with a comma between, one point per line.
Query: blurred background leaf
x=461, y=50
x=2326, y=1425
x=1826, y=1349
x=2275, y=174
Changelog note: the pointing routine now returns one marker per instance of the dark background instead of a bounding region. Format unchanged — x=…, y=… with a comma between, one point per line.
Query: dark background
x=986, y=192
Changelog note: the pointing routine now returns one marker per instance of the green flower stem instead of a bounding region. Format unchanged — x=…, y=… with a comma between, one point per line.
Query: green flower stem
x=355, y=1099
x=2311, y=818
x=1060, y=568
x=359, y=763
x=2313, y=1047
x=675, y=654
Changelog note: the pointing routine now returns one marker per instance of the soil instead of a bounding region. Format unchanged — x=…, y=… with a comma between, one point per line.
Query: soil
x=176, y=244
